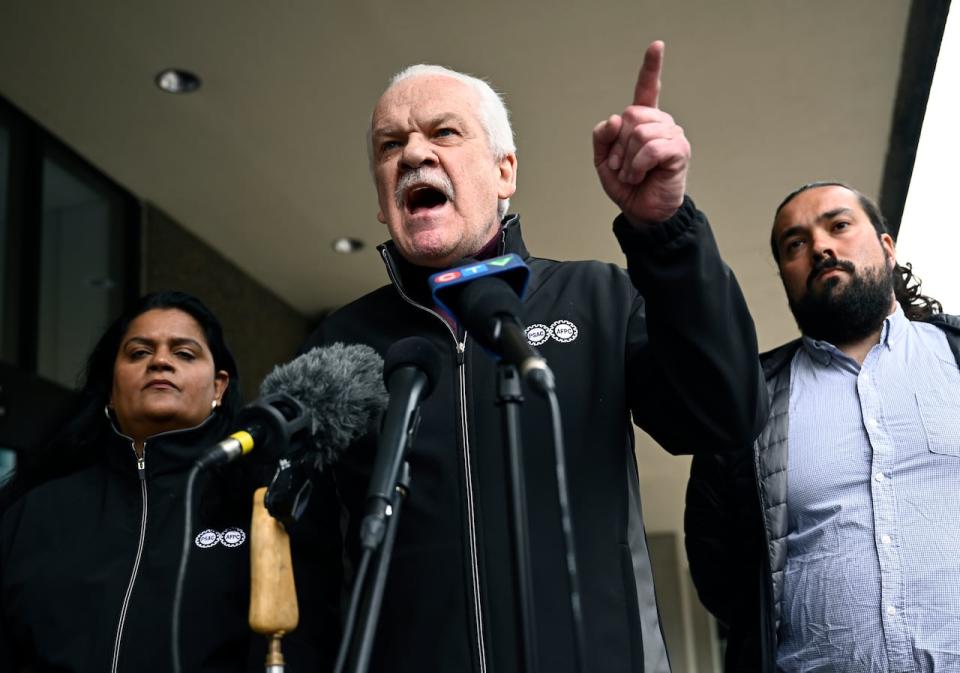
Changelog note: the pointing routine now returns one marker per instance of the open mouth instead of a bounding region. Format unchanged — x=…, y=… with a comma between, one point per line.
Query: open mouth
x=424, y=197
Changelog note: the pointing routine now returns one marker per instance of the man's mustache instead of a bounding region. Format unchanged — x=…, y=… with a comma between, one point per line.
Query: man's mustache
x=432, y=177
x=828, y=263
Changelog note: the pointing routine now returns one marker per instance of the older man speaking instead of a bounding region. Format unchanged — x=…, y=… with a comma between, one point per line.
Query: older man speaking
x=668, y=340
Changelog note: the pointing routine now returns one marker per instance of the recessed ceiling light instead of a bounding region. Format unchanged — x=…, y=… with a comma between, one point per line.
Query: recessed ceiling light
x=346, y=245
x=173, y=80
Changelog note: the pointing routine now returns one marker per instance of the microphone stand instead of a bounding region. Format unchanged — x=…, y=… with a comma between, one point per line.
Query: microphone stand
x=509, y=397
x=381, y=565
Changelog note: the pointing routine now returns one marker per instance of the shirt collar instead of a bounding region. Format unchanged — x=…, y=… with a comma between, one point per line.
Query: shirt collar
x=822, y=352
x=894, y=327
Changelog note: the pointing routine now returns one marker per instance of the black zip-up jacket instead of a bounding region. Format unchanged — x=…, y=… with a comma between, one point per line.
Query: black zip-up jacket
x=88, y=564
x=672, y=343
x=736, y=523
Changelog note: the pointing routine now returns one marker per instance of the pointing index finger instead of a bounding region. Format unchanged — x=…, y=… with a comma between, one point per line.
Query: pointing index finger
x=647, y=91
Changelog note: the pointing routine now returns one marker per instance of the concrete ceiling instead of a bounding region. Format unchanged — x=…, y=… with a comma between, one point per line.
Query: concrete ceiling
x=267, y=161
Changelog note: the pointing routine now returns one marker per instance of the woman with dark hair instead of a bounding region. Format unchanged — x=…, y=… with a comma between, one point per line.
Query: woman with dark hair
x=90, y=536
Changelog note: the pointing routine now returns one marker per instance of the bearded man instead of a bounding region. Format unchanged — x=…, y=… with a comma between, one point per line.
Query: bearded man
x=834, y=544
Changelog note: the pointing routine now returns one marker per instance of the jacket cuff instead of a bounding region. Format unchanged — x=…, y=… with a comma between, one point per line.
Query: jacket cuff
x=662, y=236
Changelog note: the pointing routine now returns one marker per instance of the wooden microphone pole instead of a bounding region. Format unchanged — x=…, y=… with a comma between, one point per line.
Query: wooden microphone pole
x=273, y=595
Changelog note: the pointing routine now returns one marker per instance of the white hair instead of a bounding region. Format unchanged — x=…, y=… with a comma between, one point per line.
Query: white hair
x=492, y=113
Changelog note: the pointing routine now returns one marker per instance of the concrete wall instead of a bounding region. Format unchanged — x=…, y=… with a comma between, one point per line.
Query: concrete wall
x=261, y=329
x=689, y=631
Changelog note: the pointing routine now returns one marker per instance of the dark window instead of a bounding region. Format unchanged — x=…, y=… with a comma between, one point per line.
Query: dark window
x=4, y=179
x=69, y=263
x=81, y=267
x=7, y=457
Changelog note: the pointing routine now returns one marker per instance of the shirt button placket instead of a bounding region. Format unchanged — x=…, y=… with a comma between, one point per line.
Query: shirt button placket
x=884, y=518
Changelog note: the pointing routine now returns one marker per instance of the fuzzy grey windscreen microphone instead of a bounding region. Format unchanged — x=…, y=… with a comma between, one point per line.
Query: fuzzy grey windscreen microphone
x=341, y=388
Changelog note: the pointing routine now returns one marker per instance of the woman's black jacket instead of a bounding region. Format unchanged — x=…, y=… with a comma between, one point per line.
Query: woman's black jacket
x=88, y=563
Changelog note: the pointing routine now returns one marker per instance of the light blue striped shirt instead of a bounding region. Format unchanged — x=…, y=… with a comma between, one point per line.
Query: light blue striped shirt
x=872, y=580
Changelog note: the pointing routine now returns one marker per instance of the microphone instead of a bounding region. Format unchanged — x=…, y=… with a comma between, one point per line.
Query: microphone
x=485, y=298
x=342, y=389
x=329, y=394
x=269, y=421
x=411, y=370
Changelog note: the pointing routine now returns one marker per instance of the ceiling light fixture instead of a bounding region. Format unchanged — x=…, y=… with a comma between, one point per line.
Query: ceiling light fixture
x=173, y=80
x=346, y=246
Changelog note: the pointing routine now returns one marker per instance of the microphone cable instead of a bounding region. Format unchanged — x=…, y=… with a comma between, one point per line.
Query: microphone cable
x=182, y=570
x=351, y=621
x=566, y=522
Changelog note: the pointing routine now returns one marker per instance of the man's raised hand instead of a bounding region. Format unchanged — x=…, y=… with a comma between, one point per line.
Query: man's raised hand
x=642, y=155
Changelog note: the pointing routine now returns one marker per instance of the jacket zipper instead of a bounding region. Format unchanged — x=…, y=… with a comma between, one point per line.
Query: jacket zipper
x=461, y=347
x=142, y=477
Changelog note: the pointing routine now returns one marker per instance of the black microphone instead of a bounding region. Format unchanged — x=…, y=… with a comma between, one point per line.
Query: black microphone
x=411, y=370
x=329, y=395
x=485, y=298
x=270, y=421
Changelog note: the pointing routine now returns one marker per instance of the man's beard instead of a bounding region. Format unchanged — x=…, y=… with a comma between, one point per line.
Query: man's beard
x=846, y=314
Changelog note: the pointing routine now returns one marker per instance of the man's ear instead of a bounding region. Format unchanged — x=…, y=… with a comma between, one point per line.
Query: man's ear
x=381, y=218
x=508, y=176
x=886, y=240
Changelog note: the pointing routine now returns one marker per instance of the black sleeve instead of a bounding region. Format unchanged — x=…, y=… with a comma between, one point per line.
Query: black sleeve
x=7, y=664
x=693, y=370
x=710, y=535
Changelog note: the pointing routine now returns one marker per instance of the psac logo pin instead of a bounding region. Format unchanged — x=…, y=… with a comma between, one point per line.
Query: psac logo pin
x=229, y=537
x=563, y=331
x=538, y=334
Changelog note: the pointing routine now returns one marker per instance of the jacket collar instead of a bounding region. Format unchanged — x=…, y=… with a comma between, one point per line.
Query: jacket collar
x=946, y=322
x=775, y=360
x=169, y=451
x=411, y=279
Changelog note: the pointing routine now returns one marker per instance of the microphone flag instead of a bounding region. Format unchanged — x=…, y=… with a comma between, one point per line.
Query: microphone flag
x=446, y=286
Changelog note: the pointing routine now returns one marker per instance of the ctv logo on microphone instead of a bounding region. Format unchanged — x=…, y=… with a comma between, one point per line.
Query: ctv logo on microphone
x=467, y=272
x=491, y=266
x=445, y=285
x=447, y=277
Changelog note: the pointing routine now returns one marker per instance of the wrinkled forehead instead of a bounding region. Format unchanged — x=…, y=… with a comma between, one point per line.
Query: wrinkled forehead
x=425, y=96
x=806, y=208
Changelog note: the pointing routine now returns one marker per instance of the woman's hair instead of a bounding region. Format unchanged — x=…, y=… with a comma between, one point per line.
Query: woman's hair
x=98, y=376
x=88, y=424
